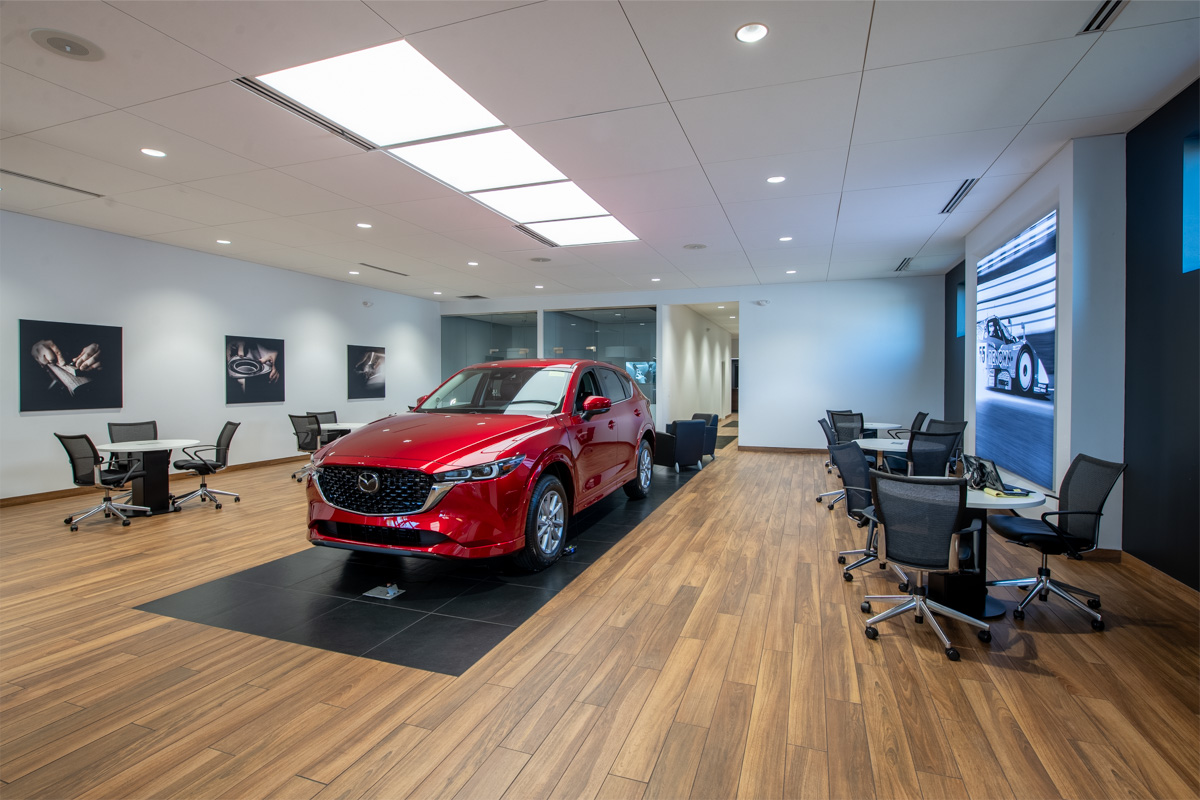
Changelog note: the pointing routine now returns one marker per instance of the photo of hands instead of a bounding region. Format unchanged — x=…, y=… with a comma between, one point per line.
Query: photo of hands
x=364, y=372
x=253, y=370
x=65, y=366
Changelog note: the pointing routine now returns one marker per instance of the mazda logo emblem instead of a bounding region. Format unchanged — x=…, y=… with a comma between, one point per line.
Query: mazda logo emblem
x=368, y=482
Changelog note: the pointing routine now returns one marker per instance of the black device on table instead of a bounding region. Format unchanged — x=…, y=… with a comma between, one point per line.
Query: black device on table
x=982, y=474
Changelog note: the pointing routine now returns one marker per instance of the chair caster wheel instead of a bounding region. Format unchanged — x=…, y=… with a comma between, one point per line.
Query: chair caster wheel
x=107, y=515
x=902, y=586
x=124, y=523
x=841, y=559
x=847, y=576
x=203, y=499
x=951, y=654
x=1018, y=614
x=984, y=636
x=817, y=499
x=74, y=527
x=882, y=565
x=830, y=506
x=1044, y=596
x=237, y=499
x=1094, y=604
x=217, y=506
x=865, y=607
x=148, y=514
x=1097, y=624
x=67, y=521
x=872, y=633
x=920, y=620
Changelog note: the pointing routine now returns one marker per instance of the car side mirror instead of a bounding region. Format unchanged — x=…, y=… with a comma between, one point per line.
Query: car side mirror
x=420, y=400
x=595, y=405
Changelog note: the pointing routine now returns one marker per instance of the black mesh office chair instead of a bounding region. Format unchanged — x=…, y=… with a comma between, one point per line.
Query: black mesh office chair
x=929, y=453
x=308, y=439
x=848, y=425
x=86, y=471
x=1074, y=531
x=918, y=421
x=925, y=529
x=710, y=434
x=325, y=417
x=128, y=432
x=830, y=442
x=202, y=466
x=943, y=426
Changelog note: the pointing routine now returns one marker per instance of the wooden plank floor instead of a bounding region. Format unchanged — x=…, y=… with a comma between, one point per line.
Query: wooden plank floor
x=715, y=652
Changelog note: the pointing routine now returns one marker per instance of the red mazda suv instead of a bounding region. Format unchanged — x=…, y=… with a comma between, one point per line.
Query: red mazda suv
x=493, y=462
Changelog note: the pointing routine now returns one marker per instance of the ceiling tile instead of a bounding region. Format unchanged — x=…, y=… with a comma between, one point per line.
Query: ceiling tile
x=447, y=214
x=130, y=70
x=944, y=246
x=808, y=220
x=372, y=179
x=240, y=122
x=40, y=160
x=1128, y=70
x=269, y=34
x=493, y=240
x=891, y=252
x=1037, y=144
x=412, y=16
x=696, y=54
x=989, y=193
x=597, y=64
x=807, y=173
x=763, y=122
x=994, y=89
x=19, y=194
x=904, y=31
x=436, y=249
x=118, y=137
x=362, y=252
x=31, y=103
x=107, y=214
x=922, y=200
x=651, y=191
x=777, y=262
x=386, y=230
x=286, y=232
x=805, y=273
x=617, y=258
x=956, y=156
x=933, y=264
x=624, y=142
x=1152, y=12
x=689, y=261
x=673, y=228
x=205, y=240
x=740, y=276
x=273, y=191
x=871, y=229
x=192, y=204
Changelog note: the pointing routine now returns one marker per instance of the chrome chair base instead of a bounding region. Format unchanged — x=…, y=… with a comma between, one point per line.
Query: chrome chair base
x=925, y=609
x=205, y=493
x=1043, y=585
x=110, y=509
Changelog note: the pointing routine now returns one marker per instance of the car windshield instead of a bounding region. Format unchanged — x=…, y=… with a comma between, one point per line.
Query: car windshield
x=536, y=391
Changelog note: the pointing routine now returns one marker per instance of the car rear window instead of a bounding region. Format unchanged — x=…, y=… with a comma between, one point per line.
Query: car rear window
x=614, y=389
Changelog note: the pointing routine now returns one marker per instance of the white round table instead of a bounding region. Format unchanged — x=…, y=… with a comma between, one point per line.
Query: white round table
x=882, y=426
x=146, y=445
x=343, y=426
x=883, y=445
x=153, y=488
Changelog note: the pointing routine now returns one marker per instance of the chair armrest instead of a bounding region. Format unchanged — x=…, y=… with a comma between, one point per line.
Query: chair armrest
x=895, y=432
x=956, y=554
x=1071, y=551
x=191, y=451
x=869, y=514
x=134, y=465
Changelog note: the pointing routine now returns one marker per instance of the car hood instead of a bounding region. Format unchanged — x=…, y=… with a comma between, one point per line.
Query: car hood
x=432, y=441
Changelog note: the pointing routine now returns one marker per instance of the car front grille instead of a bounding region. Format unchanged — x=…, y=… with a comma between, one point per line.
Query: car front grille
x=401, y=491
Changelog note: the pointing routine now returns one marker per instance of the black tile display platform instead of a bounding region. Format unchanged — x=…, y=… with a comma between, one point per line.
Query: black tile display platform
x=730, y=424
x=724, y=441
x=449, y=615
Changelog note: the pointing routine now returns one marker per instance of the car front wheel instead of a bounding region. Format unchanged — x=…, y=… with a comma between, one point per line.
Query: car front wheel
x=1025, y=369
x=545, y=525
x=639, y=487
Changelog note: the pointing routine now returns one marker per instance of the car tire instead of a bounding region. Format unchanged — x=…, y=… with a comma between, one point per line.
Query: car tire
x=639, y=487
x=1023, y=371
x=545, y=525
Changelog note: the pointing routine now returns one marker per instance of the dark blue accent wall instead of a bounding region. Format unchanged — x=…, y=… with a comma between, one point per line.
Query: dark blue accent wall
x=1162, y=345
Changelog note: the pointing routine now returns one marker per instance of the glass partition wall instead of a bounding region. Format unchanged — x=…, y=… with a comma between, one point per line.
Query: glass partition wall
x=477, y=338
x=626, y=337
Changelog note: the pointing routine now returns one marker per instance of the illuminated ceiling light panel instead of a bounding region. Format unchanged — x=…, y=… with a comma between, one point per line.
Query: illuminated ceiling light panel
x=593, y=230
x=387, y=95
x=549, y=201
x=483, y=161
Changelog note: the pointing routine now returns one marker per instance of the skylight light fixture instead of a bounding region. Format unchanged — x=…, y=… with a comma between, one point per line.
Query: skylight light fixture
x=148, y=151
x=562, y=200
x=484, y=161
x=421, y=102
x=592, y=230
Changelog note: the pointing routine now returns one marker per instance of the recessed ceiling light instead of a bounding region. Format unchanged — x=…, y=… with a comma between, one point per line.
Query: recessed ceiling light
x=364, y=224
x=223, y=241
x=472, y=263
x=733, y=317
x=539, y=286
x=785, y=238
x=437, y=292
x=479, y=162
x=720, y=307
x=352, y=272
x=791, y=272
x=694, y=246
x=66, y=44
x=655, y=280
x=155, y=153
x=776, y=179
x=751, y=33
x=422, y=102
x=540, y=260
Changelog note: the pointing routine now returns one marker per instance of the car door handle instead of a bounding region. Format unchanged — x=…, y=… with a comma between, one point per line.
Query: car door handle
x=637, y=412
x=611, y=424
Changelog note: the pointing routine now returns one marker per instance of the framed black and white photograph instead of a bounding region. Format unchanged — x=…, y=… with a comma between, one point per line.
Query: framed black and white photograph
x=67, y=366
x=253, y=370
x=364, y=372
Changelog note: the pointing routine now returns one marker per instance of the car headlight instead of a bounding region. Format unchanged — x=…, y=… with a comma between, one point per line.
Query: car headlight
x=483, y=472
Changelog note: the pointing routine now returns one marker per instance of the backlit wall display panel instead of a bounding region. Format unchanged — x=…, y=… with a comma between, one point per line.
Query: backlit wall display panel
x=1015, y=337
x=67, y=366
x=253, y=370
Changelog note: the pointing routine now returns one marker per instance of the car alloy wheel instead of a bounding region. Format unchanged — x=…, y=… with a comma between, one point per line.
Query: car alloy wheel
x=1025, y=369
x=550, y=517
x=645, y=468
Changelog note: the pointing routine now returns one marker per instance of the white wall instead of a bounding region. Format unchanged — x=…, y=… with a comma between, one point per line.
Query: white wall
x=875, y=346
x=1085, y=181
x=695, y=373
x=175, y=307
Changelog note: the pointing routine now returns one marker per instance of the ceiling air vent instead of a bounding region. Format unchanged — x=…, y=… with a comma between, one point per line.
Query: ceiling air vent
x=383, y=269
x=45, y=182
x=284, y=102
x=471, y=297
x=535, y=236
x=1103, y=16
x=904, y=264
x=967, y=185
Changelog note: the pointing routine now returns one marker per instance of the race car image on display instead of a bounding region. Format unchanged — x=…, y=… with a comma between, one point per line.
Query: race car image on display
x=1009, y=362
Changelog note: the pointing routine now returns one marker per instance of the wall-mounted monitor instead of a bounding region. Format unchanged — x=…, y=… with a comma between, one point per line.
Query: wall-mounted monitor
x=1015, y=339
